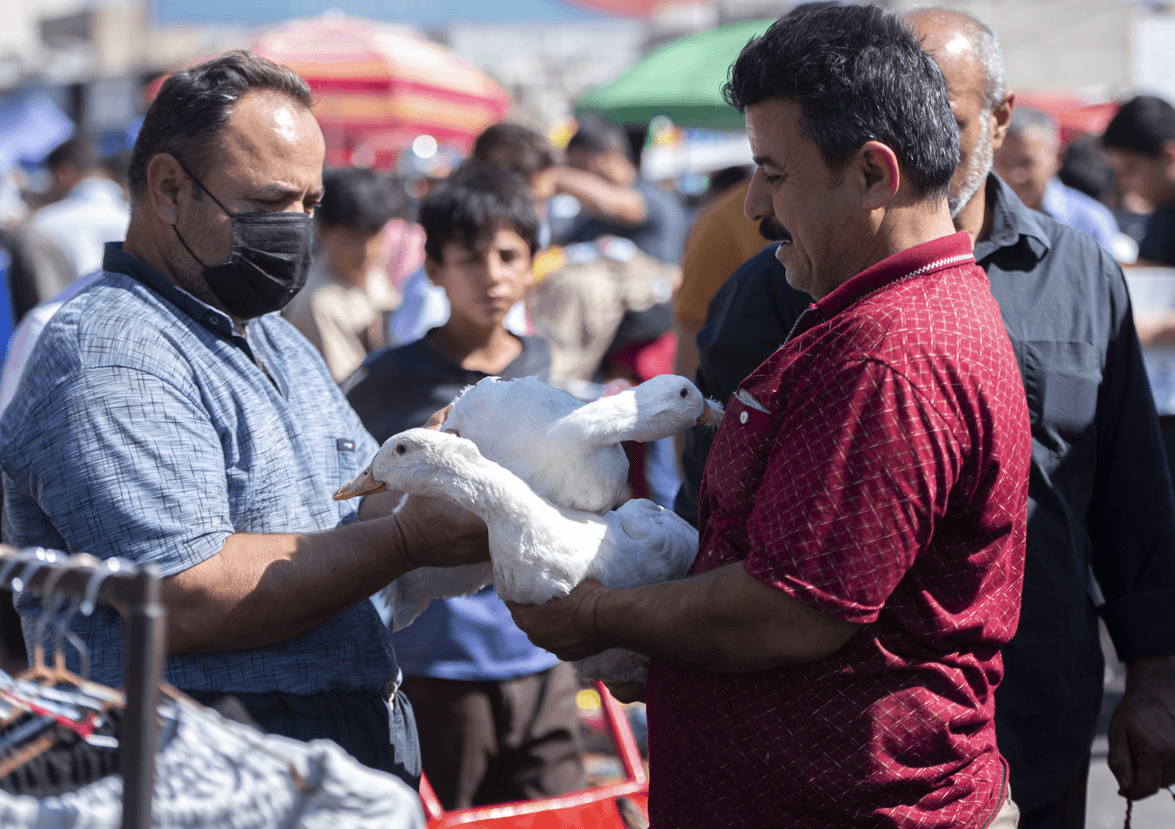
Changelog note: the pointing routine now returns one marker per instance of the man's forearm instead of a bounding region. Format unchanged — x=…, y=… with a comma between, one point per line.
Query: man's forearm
x=724, y=620
x=262, y=589
x=600, y=198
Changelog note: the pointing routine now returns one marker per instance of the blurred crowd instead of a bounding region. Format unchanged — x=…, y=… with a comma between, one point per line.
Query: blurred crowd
x=558, y=262
x=654, y=256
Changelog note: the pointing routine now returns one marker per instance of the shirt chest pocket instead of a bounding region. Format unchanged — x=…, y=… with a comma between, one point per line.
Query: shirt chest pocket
x=345, y=456
x=1061, y=380
x=740, y=453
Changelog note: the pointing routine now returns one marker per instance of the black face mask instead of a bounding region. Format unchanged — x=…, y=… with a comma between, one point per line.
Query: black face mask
x=269, y=264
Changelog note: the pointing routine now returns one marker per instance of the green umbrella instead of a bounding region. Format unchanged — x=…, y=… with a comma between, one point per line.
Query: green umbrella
x=681, y=80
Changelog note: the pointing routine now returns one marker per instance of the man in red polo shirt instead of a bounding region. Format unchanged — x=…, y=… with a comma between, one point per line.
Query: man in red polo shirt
x=831, y=659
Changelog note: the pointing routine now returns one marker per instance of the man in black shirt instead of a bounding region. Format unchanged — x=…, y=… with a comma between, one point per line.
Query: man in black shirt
x=1100, y=496
x=1140, y=141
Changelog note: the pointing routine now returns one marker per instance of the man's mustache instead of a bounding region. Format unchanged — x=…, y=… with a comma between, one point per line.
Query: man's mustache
x=773, y=231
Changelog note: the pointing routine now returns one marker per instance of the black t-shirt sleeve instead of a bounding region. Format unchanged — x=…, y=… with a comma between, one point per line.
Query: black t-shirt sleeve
x=1158, y=245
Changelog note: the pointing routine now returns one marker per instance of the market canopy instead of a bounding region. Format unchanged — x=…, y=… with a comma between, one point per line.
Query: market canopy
x=681, y=80
x=377, y=83
x=637, y=9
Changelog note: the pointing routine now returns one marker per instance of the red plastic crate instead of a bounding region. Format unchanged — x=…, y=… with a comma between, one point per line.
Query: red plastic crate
x=595, y=808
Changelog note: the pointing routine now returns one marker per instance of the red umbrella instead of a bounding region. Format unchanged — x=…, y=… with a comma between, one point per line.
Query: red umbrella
x=1072, y=112
x=373, y=79
x=639, y=9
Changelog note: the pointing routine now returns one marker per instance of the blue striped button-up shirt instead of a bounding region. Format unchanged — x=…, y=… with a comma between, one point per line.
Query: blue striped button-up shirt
x=143, y=427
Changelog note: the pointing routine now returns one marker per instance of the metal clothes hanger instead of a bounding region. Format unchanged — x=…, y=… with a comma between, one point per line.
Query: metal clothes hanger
x=79, y=709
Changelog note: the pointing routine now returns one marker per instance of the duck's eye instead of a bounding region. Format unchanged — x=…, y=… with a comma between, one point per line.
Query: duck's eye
x=684, y=393
x=401, y=449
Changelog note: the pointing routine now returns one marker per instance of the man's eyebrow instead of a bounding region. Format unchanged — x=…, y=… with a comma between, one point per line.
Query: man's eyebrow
x=275, y=192
x=764, y=160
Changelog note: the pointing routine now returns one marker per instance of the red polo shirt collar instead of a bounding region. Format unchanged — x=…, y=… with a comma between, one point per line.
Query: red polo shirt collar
x=928, y=257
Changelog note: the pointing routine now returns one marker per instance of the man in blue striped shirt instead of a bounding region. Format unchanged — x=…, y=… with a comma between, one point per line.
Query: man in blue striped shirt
x=167, y=415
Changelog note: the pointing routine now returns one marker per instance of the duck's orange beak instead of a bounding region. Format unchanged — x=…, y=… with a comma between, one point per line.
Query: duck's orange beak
x=712, y=412
x=362, y=484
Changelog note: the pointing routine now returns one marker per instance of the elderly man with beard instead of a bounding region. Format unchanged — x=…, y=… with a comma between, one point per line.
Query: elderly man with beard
x=1099, y=495
x=831, y=658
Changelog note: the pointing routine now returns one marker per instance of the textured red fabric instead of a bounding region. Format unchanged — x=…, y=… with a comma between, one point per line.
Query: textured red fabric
x=877, y=472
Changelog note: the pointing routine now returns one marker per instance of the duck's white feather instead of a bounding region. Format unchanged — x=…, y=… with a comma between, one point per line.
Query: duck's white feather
x=539, y=551
x=412, y=593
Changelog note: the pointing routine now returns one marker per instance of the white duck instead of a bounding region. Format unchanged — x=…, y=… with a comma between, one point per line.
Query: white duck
x=539, y=551
x=567, y=450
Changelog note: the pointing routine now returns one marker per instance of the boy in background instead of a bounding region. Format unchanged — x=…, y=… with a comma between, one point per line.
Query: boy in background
x=344, y=308
x=497, y=716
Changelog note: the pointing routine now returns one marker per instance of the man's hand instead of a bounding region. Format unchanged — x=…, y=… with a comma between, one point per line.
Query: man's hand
x=437, y=419
x=437, y=533
x=566, y=627
x=1142, y=731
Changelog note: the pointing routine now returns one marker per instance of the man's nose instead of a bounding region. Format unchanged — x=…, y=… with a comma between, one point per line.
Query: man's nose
x=495, y=270
x=757, y=204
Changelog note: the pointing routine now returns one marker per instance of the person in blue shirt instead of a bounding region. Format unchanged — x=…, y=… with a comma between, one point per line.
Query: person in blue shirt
x=168, y=415
x=1028, y=161
x=497, y=715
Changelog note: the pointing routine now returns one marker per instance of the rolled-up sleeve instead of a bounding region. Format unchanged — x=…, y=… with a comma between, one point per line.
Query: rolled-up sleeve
x=123, y=463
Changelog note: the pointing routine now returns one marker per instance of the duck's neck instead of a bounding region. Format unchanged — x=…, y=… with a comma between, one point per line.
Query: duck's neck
x=605, y=421
x=489, y=491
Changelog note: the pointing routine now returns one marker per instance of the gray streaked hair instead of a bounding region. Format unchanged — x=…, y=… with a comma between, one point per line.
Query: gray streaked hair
x=985, y=43
x=1031, y=120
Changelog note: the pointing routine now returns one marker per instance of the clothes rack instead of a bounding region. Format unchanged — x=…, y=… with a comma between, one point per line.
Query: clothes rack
x=133, y=590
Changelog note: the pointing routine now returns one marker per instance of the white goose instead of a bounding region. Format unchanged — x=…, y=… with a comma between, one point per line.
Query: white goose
x=539, y=551
x=567, y=450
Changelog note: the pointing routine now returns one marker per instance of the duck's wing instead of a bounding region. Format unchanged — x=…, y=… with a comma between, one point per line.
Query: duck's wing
x=512, y=422
x=590, y=479
x=509, y=419
x=645, y=544
x=411, y=594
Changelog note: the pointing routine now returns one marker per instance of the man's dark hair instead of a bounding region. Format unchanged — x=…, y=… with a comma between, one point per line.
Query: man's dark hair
x=194, y=105
x=1142, y=125
x=472, y=204
x=1085, y=168
x=358, y=198
x=596, y=137
x=77, y=151
x=722, y=180
x=858, y=75
x=516, y=147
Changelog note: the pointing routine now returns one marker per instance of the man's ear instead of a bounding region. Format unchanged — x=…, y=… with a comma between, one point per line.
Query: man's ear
x=432, y=269
x=880, y=176
x=166, y=181
x=1001, y=117
x=1167, y=151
